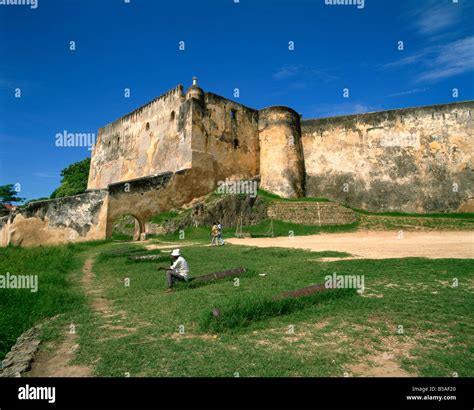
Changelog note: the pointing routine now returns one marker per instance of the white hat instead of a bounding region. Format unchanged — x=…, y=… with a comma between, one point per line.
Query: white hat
x=176, y=252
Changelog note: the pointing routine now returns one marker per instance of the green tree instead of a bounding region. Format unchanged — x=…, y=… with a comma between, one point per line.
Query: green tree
x=74, y=180
x=8, y=194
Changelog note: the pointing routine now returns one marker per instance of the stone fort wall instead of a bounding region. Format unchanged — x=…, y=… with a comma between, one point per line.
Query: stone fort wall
x=311, y=213
x=225, y=134
x=180, y=131
x=152, y=139
x=410, y=160
x=69, y=219
x=179, y=146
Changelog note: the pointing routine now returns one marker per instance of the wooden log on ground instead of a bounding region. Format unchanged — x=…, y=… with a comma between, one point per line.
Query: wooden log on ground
x=119, y=251
x=309, y=290
x=219, y=275
x=149, y=257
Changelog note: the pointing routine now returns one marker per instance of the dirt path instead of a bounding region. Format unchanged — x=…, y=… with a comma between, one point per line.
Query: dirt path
x=110, y=317
x=56, y=362
x=377, y=245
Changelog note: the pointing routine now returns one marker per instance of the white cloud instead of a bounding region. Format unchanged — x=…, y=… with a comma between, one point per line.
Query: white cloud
x=406, y=60
x=302, y=72
x=286, y=72
x=443, y=61
x=409, y=92
x=435, y=16
x=451, y=60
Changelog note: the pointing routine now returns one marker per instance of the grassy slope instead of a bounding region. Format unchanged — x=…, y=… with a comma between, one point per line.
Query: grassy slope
x=262, y=229
x=370, y=222
x=269, y=197
x=365, y=220
x=20, y=308
x=59, y=269
x=386, y=222
x=329, y=336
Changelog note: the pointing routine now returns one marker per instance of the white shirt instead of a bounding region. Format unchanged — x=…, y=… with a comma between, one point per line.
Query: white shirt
x=181, y=267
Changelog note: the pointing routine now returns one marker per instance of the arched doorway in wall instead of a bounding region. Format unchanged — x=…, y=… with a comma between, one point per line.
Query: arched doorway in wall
x=126, y=227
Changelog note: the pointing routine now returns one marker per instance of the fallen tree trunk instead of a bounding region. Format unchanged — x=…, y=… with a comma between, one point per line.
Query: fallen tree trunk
x=309, y=290
x=149, y=258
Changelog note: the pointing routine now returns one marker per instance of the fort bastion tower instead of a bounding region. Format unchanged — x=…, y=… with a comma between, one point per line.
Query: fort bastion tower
x=224, y=139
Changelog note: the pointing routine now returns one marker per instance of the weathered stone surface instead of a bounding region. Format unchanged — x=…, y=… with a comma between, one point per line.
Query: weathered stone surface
x=281, y=152
x=18, y=359
x=228, y=133
x=410, y=160
x=154, y=138
x=173, y=133
x=75, y=218
x=311, y=213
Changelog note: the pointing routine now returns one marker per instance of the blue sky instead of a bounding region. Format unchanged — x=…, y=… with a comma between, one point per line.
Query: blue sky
x=227, y=45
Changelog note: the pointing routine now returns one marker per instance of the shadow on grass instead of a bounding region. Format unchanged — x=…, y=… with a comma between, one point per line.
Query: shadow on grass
x=239, y=314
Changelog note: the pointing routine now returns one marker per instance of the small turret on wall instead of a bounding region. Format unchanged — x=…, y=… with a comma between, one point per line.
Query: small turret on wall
x=281, y=152
x=195, y=91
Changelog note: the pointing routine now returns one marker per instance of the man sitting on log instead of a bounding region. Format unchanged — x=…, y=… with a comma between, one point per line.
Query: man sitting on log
x=178, y=271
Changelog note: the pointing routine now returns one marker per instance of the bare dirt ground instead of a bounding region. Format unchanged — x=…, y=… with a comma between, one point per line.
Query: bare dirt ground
x=57, y=361
x=377, y=245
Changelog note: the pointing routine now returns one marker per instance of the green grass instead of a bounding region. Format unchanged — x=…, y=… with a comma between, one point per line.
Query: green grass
x=381, y=222
x=260, y=230
x=242, y=312
x=21, y=308
x=117, y=236
x=175, y=334
x=191, y=284
x=84, y=246
x=200, y=234
x=130, y=250
x=453, y=215
x=367, y=222
x=164, y=217
x=253, y=339
x=281, y=228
